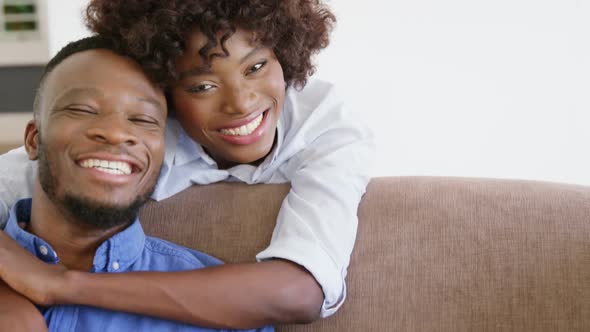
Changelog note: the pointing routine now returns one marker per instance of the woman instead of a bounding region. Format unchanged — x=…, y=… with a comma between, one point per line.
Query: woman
x=234, y=73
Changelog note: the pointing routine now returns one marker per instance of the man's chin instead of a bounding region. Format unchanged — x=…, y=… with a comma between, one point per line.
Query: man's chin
x=105, y=204
x=101, y=214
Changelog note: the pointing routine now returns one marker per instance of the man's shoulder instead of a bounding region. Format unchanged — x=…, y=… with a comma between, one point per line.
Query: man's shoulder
x=17, y=175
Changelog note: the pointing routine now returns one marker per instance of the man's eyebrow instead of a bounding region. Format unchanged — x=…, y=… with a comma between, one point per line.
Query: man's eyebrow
x=72, y=92
x=197, y=71
x=152, y=101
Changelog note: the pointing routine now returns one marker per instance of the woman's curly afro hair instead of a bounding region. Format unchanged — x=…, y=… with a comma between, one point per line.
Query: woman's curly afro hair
x=153, y=32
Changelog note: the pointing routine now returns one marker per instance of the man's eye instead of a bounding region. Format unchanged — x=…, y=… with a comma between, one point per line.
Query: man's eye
x=200, y=88
x=256, y=67
x=144, y=121
x=80, y=110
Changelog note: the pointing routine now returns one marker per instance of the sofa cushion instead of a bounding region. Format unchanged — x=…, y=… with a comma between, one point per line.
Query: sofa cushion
x=444, y=254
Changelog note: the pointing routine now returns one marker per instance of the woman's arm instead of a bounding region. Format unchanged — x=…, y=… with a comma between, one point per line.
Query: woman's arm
x=317, y=223
x=236, y=296
x=17, y=313
x=226, y=296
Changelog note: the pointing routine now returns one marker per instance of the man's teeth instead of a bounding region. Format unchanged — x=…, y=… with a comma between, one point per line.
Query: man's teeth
x=244, y=130
x=107, y=166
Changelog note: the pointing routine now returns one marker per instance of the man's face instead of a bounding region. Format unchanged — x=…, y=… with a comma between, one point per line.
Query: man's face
x=231, y=108
x=99, y=136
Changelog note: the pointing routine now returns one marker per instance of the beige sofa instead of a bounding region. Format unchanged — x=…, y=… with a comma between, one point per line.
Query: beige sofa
x=432, y=254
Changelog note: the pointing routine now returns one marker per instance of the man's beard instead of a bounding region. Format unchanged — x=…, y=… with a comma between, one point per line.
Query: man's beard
x=85, y=210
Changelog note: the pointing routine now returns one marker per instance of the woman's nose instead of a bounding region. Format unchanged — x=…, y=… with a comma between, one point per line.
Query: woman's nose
x=240, y=100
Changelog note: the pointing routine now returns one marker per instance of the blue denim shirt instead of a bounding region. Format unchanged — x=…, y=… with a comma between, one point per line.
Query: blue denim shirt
x=129, y=250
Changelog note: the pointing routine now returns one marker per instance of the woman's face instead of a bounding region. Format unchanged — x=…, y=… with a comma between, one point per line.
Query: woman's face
x=232, y=107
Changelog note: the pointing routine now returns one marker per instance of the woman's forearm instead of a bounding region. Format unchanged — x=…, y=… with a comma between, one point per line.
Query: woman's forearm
x=227, y=296
x=17, y=313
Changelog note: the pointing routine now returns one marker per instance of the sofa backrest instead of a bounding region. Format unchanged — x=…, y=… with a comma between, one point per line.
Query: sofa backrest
x=432, y=254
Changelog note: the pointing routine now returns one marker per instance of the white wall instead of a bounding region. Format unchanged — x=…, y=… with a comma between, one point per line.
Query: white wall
x=65, y=23
x=61, y=22
x=458, y=87
x=469, y=88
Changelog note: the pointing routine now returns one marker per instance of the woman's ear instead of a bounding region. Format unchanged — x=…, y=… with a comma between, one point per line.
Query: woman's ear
x=32, y=140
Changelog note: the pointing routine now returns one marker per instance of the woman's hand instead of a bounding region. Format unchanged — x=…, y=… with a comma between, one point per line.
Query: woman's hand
x=36, y=280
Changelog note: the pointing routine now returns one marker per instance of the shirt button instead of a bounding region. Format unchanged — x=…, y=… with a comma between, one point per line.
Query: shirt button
x=115, y=266
x=44, y=251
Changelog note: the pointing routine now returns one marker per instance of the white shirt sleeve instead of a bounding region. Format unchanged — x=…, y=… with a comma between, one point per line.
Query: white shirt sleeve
x=317, y=223
x=17, y=175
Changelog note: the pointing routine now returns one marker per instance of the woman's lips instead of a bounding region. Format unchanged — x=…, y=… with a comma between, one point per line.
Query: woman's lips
x=245, y=129
x=247, y=133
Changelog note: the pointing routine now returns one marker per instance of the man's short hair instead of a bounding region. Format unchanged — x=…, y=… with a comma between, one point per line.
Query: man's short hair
x=81, y=45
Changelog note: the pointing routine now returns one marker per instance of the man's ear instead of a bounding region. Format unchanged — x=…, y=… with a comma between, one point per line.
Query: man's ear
x=32, y=140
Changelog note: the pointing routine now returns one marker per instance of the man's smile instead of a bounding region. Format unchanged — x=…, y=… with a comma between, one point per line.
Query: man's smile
x=107, y=166
x=110, y=167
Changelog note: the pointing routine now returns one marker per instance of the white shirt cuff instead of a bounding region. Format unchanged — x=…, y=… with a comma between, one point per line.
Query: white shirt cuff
x=317, y=262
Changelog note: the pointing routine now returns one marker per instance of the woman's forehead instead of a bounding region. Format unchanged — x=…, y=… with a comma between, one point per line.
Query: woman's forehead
x=196, y=39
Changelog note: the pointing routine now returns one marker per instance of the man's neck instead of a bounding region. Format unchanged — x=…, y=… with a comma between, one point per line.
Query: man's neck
x=74, y=242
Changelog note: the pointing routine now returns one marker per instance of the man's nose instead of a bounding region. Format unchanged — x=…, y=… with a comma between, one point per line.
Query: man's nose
x=112, y=129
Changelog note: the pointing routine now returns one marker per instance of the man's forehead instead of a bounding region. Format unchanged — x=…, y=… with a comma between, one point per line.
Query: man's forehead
x=92, y=70
x=83, y=65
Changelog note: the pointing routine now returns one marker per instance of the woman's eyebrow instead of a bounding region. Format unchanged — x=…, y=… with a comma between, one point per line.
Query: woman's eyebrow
x=250, y=54
x=196, y=71
x=206, y=70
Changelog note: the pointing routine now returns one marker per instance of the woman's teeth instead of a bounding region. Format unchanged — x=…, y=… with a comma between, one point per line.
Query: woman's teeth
x=107, y=166
x=244, y=130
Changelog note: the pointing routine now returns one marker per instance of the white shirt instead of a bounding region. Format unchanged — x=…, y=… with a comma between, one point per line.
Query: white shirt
x=325, y=153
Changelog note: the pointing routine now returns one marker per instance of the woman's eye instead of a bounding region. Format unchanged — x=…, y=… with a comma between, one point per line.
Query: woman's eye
x=200, y=88
x=256, y=67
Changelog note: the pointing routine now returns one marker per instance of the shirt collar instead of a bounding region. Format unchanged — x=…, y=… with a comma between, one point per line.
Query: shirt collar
x=121, y=250
x=21, y=212
x=185, y=148
x=115, y=254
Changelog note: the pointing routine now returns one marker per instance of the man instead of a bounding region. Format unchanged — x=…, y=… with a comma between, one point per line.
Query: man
x=98, y=136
